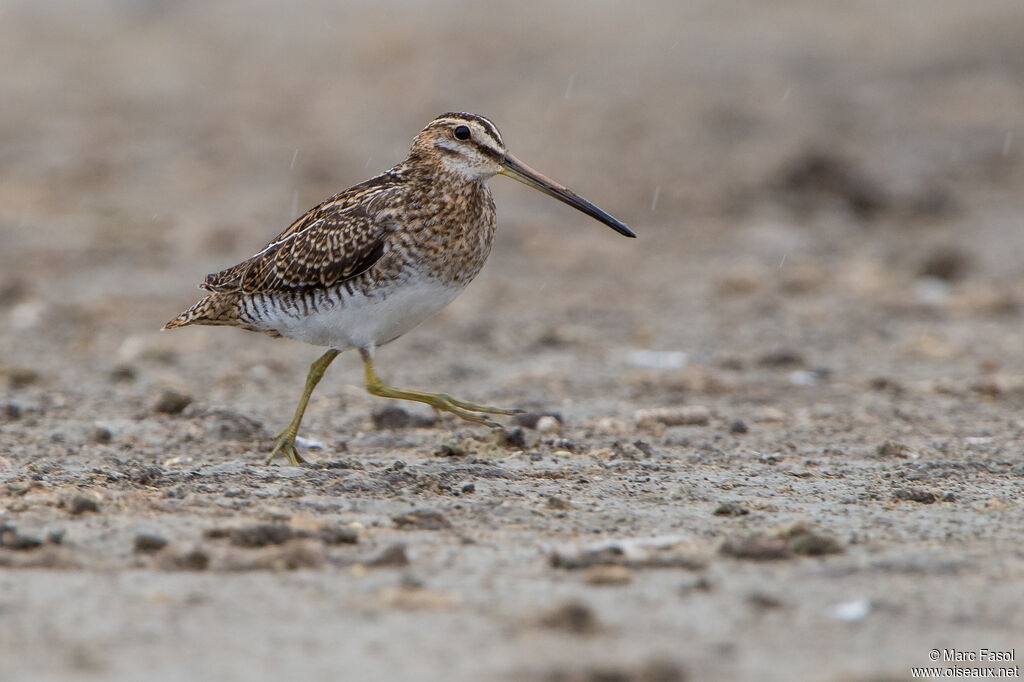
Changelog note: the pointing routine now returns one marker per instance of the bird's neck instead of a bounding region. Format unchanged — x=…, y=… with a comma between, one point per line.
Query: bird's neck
x=438, y=168
x=450, y=209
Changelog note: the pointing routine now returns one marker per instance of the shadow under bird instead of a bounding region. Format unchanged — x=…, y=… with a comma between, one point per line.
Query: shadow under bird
x=372, y=262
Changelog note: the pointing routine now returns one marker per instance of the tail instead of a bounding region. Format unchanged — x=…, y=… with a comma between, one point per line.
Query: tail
x=214, y=309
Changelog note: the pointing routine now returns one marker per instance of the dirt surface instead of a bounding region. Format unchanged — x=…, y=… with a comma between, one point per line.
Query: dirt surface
x=777, y=437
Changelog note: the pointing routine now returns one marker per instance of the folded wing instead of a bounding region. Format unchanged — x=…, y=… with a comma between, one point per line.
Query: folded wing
x=336, y=241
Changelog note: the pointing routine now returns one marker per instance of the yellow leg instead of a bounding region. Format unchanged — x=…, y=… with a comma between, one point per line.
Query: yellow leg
x=439, y=401
x=286, y=439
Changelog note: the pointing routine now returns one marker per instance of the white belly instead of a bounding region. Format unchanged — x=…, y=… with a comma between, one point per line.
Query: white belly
x=360, y=321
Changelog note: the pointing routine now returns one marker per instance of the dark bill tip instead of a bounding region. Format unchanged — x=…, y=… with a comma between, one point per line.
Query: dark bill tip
x=517, y=170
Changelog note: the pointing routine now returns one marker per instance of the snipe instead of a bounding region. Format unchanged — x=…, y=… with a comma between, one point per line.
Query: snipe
x=371, y=263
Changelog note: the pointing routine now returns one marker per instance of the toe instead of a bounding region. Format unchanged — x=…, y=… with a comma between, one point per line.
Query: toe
x=474, y=407
x=285, y=445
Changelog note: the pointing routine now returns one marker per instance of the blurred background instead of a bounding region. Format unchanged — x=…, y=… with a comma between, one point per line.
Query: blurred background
x=828, y=198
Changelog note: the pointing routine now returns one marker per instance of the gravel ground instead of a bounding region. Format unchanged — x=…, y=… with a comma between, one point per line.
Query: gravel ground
x=777, y=437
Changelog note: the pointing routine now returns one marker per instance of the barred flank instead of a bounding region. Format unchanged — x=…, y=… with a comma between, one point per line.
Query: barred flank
x=214, y=309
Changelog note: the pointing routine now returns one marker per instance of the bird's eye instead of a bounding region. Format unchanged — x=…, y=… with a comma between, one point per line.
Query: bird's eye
x=462, y=132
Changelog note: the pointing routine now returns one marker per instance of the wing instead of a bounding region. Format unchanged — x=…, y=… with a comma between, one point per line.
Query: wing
x=338, y=240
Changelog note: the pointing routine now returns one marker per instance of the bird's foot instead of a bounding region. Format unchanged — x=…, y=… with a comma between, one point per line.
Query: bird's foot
x=285, y=444
x=467, y=410
x=439, y=401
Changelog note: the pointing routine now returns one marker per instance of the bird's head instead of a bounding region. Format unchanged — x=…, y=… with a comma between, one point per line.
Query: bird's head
x=471, y=147
x=466, y=144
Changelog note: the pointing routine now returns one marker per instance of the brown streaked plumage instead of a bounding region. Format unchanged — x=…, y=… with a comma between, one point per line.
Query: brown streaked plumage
x=372, y=262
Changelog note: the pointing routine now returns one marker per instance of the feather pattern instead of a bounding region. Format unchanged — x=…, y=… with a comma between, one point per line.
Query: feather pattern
x=371, y=262
x=339, y=239
x=364, y=267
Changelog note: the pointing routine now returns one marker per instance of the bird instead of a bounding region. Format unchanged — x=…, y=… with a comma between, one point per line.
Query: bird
x=375, y=260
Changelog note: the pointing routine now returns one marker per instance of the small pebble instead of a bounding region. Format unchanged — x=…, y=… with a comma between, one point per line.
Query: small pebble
x=738, y=426
x=516, y=438
x=644, y=447
x=608, y=575
x=933, y=293
x=756, y=548
x=559, y=503
x=21, y=377
x=882, y=383
x=762, y=601
x=804, y=378
x=799, y=539
x=172, y=401
x=655, y=670
x=149, y=542
x=290, y=556
x=334, y=534
x=781, y=357
x=393, y=555
x=701, y=583
x=915, y=495
x=260, y=535
x=79, y=504
x=421, y=519
x=453, y=447
x=574, y=616
x=991, y=386
x=609, y=426
x=529, y=420
x=123, y=373
x=653, y=359
x=100, y=434
x=224, y=424
x=850, y=611
x=770, y=414
x=564, y=445
x=13, y=290
x=391, y=417
x=685, y=415
x=183, y=558
x=730, y=509
x=807, y=542
x=946, y=263
x=468, y=488
x=548, y=424
x=891, y=448
x=11, y=538
x=664, y=554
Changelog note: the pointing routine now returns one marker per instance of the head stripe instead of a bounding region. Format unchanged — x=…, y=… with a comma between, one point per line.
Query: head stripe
x=454, y=117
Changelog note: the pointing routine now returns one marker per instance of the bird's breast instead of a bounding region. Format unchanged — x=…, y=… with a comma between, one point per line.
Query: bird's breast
x=445, y=234
x=464, y=238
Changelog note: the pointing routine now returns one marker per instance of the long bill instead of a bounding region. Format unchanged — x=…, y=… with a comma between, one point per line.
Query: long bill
x=517, y=170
